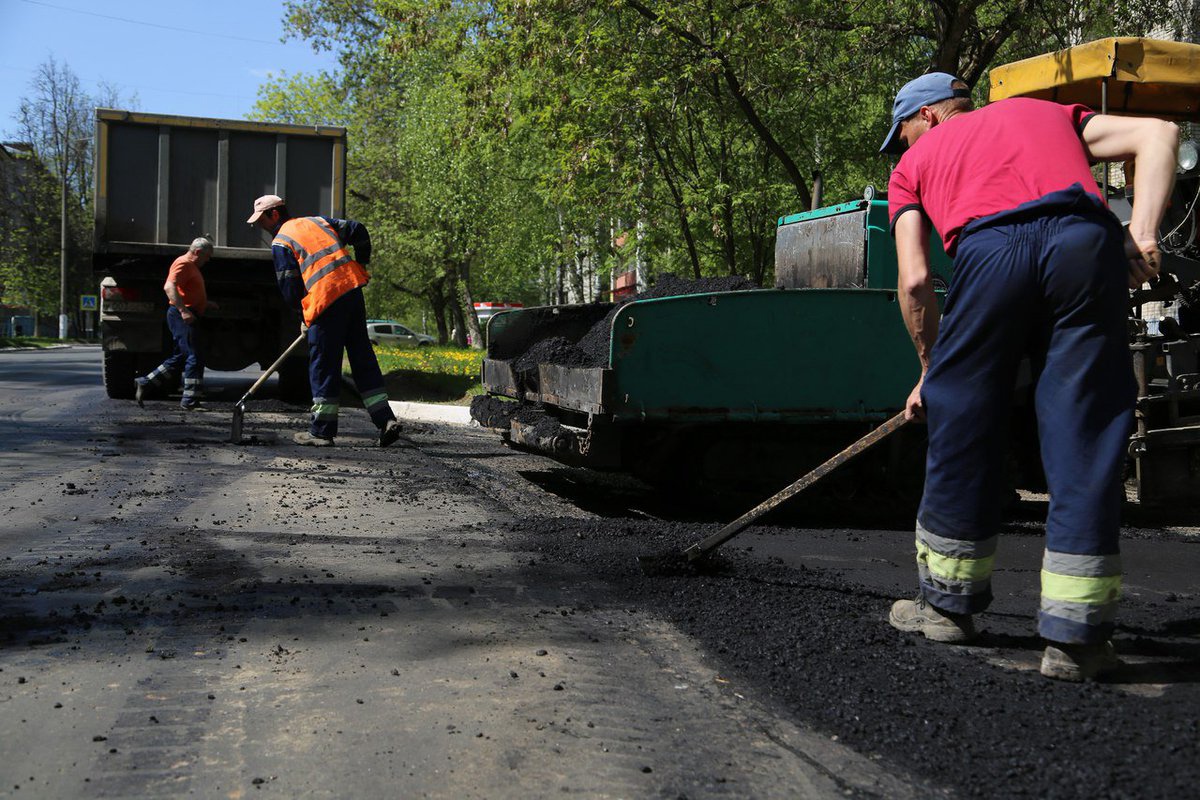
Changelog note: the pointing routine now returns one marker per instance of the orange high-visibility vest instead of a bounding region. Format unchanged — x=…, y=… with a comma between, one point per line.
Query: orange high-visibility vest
x=327, y=269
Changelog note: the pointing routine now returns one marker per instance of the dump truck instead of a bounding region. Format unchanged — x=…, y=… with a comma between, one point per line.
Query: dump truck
x=712, y=388
x=162, y=181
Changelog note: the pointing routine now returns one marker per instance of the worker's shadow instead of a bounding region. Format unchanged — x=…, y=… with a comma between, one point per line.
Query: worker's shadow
x=1149, y=657
x=1168, y=654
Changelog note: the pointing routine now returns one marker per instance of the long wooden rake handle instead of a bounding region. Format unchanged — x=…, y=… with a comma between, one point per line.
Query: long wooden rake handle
x=271, y=369
x=703, y=548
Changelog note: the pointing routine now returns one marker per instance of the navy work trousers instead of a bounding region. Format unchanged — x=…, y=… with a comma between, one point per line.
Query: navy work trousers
x=186, y=357
x=1047, y=280
x=343, y=328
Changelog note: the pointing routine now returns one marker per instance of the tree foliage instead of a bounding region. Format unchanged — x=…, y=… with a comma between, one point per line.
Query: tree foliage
x=529, y=149
x=50, y=158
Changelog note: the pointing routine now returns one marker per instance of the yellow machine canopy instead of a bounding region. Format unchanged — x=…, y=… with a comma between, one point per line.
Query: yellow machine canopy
x=1149, y=77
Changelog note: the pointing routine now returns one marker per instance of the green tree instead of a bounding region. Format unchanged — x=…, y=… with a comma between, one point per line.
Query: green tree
x=432, y=170
x=537, y=148
x=54, y=127
x=29, y=232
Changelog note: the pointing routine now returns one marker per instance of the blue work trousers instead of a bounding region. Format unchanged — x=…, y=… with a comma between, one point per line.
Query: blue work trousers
x=187, y=356
x=343, y=328
x=1047, y=281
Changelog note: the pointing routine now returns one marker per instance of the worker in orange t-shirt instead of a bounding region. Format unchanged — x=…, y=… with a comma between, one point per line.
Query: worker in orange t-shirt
x=188, y=301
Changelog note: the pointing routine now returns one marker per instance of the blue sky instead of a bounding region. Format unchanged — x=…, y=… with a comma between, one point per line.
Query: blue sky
x=195, y=57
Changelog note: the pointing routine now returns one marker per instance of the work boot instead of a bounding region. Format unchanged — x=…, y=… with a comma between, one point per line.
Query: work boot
x=306, y=438
x=917, y=616
x=389, y=433
x=193, y=408
x=139, y=391
x=1079, y=662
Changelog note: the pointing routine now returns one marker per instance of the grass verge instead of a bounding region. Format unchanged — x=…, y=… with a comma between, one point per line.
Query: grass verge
x=40, y=342
x=431, y=374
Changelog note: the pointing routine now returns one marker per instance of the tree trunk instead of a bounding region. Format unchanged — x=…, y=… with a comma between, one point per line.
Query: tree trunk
x=468, y=304
x=560, y=264
x=437, y=304
x=578, y=270
x=459, y=332
x=666, y=168
x=728, y=249
x=759, y=251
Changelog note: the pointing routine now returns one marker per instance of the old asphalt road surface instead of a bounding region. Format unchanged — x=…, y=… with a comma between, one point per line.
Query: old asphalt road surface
x=448, y=618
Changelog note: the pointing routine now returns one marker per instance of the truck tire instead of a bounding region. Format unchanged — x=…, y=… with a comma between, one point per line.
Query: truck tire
x=119, y=366
x=293, y=383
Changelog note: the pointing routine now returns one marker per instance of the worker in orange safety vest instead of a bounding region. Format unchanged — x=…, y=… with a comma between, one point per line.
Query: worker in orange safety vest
x=319, y=279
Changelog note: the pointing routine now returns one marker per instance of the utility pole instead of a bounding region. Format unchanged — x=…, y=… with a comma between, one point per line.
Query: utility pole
x=68, y=145
x=62, y=261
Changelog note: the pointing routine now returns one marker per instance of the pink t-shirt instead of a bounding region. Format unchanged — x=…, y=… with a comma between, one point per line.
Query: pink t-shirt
x=990, y=160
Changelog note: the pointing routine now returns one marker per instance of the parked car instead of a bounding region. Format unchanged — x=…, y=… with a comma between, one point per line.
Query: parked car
x=387, y=332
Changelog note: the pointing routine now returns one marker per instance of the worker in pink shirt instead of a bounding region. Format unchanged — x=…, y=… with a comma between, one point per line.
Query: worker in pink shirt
x=1042, y=270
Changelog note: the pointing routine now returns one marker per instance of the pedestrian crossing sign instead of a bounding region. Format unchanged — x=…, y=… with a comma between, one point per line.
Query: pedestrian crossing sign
x=88, y=302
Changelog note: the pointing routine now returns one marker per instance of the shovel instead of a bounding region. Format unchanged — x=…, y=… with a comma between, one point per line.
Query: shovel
x=239, y=410
x=674, y=562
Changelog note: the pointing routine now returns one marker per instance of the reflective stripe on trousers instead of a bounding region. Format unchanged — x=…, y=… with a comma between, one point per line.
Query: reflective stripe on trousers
x=955, y=574
x=186, y=358
x=191, y=390
x=324, y=409
x=374, y=403
x=1080, y=594
x=161, y=375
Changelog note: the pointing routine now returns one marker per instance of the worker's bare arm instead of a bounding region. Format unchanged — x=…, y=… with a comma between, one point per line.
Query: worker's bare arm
x=918, y=302
x=1152, y=145
x=175, y=299
x=1111, y=138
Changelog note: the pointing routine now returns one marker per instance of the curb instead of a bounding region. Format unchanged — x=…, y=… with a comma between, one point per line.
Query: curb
x=431, y=412
x=28, y=349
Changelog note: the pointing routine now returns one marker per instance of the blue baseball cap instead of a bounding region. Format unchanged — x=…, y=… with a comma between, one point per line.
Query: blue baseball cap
x=933, y=87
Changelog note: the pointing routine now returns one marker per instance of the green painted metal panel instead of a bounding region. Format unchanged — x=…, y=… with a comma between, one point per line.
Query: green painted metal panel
x=796, y=354
x=882, y=270
x=498, y=323
x=818, y=213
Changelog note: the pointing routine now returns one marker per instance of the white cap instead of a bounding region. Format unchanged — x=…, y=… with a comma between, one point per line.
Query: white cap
x=264, y=203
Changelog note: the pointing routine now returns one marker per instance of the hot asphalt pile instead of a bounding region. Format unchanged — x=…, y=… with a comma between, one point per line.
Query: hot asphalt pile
x=592, y=349
x=821, y=648
x=491, y=412
x=594, y=346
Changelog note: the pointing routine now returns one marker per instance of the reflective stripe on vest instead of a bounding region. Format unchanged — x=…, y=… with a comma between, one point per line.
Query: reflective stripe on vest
x=327, y=269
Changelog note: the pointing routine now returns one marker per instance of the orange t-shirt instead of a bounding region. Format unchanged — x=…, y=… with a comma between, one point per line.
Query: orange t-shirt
x=185, y=274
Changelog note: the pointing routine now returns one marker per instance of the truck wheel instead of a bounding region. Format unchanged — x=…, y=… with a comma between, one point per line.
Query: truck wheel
x=293, y=383
x=119, y=374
